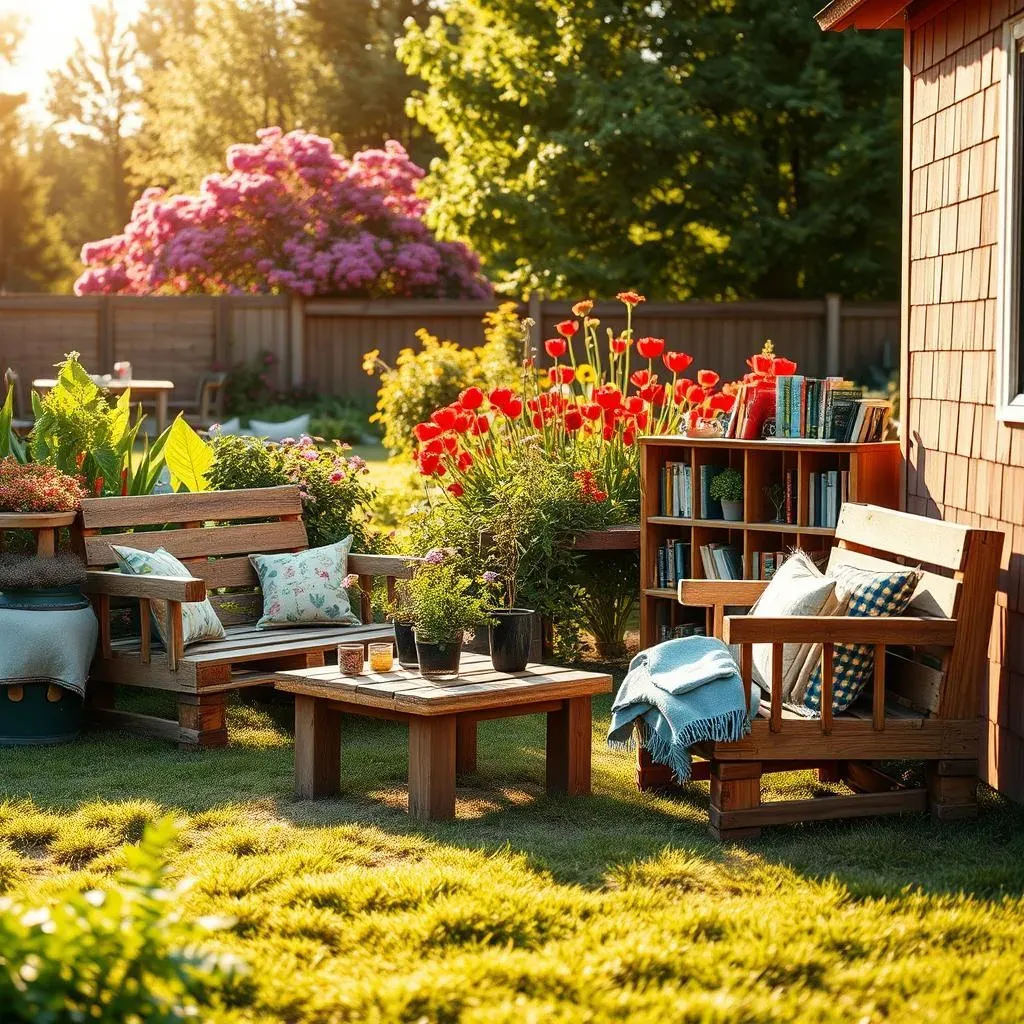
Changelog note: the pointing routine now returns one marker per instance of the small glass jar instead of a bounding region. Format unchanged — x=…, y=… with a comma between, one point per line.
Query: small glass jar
x=350, y=659
x=382, y=657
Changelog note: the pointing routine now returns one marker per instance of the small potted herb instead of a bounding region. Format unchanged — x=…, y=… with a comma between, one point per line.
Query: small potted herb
x=727, y=487
x=442, y=606
x=510, y=634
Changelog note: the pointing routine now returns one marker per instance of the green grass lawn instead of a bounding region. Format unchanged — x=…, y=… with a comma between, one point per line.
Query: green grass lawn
x=527, y=908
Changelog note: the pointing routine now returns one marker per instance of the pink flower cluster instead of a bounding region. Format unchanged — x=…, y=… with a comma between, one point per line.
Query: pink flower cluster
x=291, y=215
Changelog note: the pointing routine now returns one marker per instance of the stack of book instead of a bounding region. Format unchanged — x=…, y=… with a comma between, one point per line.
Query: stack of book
x=667, y=632
x=721, y=562
x=831, y=409
x=673, y=563
x=755, y=403
x=677, y=490
x=826, y=493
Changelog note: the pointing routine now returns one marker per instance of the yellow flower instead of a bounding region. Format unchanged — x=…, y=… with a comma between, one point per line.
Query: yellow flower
x=586, y=374
x=543, y=380
x=370, y=361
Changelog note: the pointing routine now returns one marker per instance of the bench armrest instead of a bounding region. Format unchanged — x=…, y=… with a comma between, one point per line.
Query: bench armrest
x=813, y=629
x=159, y=588
x=707, y=593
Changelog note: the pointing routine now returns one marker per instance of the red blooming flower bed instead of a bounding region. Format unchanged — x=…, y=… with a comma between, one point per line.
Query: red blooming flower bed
x=37, y=488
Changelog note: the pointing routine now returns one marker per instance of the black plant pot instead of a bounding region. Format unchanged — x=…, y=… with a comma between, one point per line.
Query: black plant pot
x=405, y=638
x=439, y=662
x=510, y=638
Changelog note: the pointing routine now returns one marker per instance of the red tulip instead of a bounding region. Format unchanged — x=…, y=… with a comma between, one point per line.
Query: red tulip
x=653, y=393
x=434, y=447
x=760, y=364
x=538, y=421
x=514, y=409
x=640, y=378
x=695, y=394
x=782, y=367
x=429, y=464
x=444, y=418
x=634, y=404
x=426, y=431
x=608, y=397
x=630, y=298
x=721, y=402
x=677, y=362
x=620, y=344
x=562, y=374
x=455, y=489
x=555, y=347
x=450, y=443
x=640, y=421
x=471, y=398
x=463, y=421
x=628, y=437
x=608, y=433
x=592, y=411
x=650, y=348
x=707, y=378
x=464, y=461
x=500, y=397
x=567, y=328
x=481, y=425
x=573, y=418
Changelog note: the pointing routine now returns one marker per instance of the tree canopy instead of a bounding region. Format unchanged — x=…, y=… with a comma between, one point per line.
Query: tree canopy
x=699, y=149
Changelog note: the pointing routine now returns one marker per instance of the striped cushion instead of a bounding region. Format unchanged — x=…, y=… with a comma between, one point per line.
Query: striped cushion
x=871, y=594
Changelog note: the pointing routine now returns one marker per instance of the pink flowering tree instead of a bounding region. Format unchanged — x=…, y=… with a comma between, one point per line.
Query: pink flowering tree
x=291, y=215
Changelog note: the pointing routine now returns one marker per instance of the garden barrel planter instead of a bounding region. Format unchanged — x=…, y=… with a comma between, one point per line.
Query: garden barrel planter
x=439, y=662
x=510, y=638
x=405, y=640
x=43, y=675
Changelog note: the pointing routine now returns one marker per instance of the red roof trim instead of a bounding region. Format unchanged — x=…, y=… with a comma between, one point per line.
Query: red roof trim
x=844, y=14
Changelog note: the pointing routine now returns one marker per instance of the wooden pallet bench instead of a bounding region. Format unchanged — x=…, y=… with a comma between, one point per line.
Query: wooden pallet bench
x=923, y=710
x=213, y=534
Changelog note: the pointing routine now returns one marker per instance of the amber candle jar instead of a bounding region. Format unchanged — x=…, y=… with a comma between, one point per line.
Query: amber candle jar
x=382, y=657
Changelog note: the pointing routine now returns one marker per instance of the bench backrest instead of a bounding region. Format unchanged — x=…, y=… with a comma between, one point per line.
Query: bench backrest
x=959, y=570
x=213, y=534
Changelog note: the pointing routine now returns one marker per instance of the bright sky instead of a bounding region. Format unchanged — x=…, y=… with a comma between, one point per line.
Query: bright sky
x=51, y=28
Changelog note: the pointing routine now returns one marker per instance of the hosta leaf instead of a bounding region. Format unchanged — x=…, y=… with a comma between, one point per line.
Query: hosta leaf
x=188, y=457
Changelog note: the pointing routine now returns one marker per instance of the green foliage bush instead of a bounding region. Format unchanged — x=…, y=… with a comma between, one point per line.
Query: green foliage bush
x=336, y=496
x=114, y=956
x=423, y=381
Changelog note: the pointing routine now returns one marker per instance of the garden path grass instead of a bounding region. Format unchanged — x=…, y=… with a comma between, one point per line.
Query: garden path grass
x=526, y=908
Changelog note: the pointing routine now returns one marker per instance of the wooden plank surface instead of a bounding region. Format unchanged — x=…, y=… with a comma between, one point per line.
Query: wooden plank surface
x=914, y=537
x=161, y=588
x=748, y=629
x=780, y=812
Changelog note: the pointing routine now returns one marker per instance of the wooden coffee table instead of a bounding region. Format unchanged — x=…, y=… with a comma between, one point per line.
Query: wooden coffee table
x=442, y=722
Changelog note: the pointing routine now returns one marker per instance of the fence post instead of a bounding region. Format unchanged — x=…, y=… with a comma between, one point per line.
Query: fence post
x=297, y=340
x=222, y=332
x=833, y=331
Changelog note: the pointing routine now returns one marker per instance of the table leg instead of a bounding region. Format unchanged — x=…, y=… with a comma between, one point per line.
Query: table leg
x=432, y=767
x=46, y=542
x=465, y=745
x=161, y=412
x=568, y=747
x=317, y=748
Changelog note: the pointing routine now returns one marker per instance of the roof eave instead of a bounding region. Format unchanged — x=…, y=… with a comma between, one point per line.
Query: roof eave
x=869, y=14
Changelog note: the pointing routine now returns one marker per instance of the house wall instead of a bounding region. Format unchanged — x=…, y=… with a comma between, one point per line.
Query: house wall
x=963, y=464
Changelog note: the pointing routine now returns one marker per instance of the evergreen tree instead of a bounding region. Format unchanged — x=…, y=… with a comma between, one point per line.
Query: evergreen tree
x=694, y=149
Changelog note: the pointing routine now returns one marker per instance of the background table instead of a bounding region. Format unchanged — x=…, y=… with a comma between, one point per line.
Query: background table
x=157, y=390
x=442, y=722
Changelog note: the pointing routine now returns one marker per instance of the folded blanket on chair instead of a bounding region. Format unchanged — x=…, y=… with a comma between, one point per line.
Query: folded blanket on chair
x=681, y=693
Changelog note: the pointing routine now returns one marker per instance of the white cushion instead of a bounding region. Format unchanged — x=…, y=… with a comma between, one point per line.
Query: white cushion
x=797, y=588
x=279, y=431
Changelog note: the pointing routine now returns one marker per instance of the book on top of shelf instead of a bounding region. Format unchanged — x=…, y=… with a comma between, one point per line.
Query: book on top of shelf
x=759, y=405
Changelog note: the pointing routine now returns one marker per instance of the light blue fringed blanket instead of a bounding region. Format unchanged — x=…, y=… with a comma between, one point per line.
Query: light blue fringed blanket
x=683, y=692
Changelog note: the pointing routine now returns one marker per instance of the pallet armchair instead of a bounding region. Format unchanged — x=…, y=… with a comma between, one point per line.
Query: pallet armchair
x=922, y=708
x=213, y=534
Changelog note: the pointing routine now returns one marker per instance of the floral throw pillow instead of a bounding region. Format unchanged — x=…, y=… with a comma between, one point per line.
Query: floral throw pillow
x=306, y=588
x=198, y=619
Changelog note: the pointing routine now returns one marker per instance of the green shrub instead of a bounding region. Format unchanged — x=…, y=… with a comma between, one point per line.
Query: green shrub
x=125, y=954
x=336, y=497
x=423, y=381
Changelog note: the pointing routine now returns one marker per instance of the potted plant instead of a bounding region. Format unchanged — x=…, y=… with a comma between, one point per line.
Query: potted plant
x=44, y=671
x=37, y=497
x=399, y=611
x=727, y=487
x=442, y=607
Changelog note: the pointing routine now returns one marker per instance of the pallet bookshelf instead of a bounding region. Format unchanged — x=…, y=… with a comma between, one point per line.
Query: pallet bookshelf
x=873, y=476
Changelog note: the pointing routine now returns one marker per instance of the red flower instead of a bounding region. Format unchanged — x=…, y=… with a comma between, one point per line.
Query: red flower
x=630, y=298
x=677, y=362
x=682, y=386
x=555, y=347
x=444, y=418
x=707, y=378
x=628, y=437
x=471, y=398
x=450, y=443
x=760, y=364
x=608, y=432
x=634, y=404
x=463, y=421
x=567, y=328
x=653, y=393
x=481, y=425
x=592, y=411
x=608, y=397
x=429, y=463
x=500, y=397
x=782, y=367
x=640, y=421
x=514, y=409
x=573, y=418
x=538, y=421
x=582, y=308
x=434, y=446
x=695, y=394
x=642, y=377
x=562, y=374
x=620, y=344
x=721, y=402
x=650, y=348
x=464, y=461
x=426, y=431
x=455, y=489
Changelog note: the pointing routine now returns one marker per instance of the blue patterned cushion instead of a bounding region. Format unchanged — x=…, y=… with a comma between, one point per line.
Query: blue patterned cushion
x=870, y=594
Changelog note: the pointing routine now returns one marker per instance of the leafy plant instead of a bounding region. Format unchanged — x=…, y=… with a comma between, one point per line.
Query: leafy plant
x=32, y=487
x=420, y=382
x=442, y=604
x=336, y=497
x=727, y=485
x=188, y=457
x=10, y=444
x=122, y=954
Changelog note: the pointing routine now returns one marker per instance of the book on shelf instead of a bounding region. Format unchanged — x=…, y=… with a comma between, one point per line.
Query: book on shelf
x=764, y=563
x=721, y=562
x=677, y=490
x=828, y=490
x=790, y=496
x=673, y=563
x=755, y=403
x=710, y=508
x=667, y=631
x=827, y=409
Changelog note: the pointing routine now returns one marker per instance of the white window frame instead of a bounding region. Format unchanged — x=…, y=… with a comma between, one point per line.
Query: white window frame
x=1010, y=337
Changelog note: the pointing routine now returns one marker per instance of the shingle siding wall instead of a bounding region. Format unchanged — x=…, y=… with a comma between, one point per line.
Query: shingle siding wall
x=964, y=465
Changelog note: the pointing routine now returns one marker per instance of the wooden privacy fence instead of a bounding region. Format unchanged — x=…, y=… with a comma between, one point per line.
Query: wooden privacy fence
x=320, y=343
